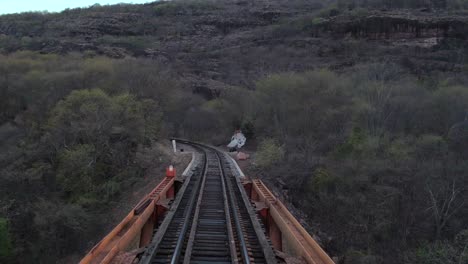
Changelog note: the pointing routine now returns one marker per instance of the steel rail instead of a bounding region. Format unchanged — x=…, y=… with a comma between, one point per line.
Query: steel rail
x=251, y=217
x=188, y=250
x=154, y=246
x=232, y=242
x=267, y=250
x=183, y=232
x=266, y=247
x=196, y=218
x=240, y=233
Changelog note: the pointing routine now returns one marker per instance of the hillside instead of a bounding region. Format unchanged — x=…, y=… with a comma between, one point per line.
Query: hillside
x=213, y=44
x=359, y=109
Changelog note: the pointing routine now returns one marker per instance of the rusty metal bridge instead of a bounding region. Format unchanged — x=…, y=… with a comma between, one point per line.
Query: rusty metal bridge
x=209, y=216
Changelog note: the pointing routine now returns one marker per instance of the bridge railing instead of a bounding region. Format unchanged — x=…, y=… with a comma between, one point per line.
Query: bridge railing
x=130, y=232
x=285, y=232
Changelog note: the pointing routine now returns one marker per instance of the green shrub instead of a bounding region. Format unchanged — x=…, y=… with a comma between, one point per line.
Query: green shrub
x=322, y=181
x=439, y=252
x=76, y=169
x=317, y=20
x=110, y=189
x=58, y=226
x=92, y=116
x=329, y=11
x=429, y=146
x=6, y=248
x=269, y=153
x=353, y=144
x=96, y=138
x=358, y=12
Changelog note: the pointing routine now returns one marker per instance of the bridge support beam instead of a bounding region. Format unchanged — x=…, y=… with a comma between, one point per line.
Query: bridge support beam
x=147, y=231
x=136, y=230
x=170, y=194
x=274, y=232
x=285, y=232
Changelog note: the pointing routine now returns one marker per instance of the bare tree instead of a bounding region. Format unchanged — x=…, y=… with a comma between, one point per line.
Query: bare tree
x=444, y=206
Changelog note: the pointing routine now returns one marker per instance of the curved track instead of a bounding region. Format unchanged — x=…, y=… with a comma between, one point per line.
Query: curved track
x=210, y=221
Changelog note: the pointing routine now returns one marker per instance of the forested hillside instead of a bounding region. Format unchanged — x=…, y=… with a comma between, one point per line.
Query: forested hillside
x=359, y=108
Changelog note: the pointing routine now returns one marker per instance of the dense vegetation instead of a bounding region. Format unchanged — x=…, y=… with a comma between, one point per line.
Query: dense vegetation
x=370, y=158
x=368, y=138
x=72, y=150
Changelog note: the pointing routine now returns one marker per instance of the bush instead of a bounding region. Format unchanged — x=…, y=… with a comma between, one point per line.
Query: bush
x=77, y=170
x=322, y=181
x=248, y=129
x=329, y=11
x=303, y=111
x=92, y=116
x=6, y=247
x=352, y=145
x=269, y=153
x=96, y=138
x=61, y=229
x=439, y=252
x=358, y=13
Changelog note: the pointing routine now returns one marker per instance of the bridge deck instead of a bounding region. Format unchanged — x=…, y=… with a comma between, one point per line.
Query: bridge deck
x=210, y=220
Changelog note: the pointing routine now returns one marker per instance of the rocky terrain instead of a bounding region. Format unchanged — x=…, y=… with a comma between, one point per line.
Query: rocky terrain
x=201, y=39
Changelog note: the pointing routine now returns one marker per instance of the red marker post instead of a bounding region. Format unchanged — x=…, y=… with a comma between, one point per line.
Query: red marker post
x=170, y=172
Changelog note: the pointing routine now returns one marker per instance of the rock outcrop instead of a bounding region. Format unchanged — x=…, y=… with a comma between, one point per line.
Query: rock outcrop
x=397, y=25
x=224, y=43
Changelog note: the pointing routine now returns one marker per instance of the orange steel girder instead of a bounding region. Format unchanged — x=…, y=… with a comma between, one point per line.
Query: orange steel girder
x=285, y=232
x=138, y=223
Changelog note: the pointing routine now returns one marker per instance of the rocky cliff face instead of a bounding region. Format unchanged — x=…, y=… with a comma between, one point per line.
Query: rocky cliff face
x=221, y=43
x=397, y=26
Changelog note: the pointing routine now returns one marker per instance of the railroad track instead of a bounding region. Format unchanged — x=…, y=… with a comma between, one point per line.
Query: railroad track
x=210, y=221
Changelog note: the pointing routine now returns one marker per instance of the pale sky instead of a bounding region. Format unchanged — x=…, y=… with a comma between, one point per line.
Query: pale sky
x=17, y=6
